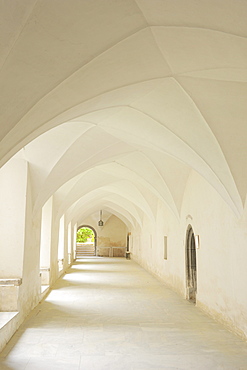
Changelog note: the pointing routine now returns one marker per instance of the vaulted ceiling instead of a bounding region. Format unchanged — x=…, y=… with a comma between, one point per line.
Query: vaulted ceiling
x=115, y=102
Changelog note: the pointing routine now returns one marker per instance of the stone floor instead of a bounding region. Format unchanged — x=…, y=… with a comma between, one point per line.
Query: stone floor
x=111, y=314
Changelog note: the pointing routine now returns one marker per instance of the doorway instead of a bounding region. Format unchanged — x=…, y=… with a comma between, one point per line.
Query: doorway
x=86, y=239
x=191, y=273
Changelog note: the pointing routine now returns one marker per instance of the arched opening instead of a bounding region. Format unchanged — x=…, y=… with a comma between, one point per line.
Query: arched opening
x=86, y=241
x=46, y=243
x=191, y=276
x=61, y=244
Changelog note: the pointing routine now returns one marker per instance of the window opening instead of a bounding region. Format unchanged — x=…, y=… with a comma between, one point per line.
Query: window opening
x=45, y=244
x=165, y=247
x=61, y=244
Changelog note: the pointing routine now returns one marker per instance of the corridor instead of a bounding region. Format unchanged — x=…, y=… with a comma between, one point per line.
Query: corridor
x=111, y=314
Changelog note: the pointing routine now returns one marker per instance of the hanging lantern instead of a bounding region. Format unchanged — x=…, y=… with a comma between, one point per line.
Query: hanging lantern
x=100, y=223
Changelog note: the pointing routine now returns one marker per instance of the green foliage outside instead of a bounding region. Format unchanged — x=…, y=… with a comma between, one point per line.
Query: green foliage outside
x=83, y=234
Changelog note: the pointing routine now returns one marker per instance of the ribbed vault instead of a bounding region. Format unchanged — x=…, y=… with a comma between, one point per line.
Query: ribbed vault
x=115, y=103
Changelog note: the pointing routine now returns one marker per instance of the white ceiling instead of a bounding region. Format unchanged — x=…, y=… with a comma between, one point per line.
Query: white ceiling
x=117, y=101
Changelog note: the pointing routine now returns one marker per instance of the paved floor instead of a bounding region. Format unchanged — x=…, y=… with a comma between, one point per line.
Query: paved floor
x=111, y=314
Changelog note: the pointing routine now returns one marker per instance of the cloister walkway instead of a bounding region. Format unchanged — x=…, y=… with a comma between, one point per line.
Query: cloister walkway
x=111, y=314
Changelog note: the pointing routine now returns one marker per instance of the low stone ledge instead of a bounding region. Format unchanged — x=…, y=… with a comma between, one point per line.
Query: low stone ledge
x=8, y=326
x=11, y=282
x=111, y=251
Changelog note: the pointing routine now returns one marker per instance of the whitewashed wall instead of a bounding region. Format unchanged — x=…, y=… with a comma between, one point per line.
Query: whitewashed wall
x=221, y=258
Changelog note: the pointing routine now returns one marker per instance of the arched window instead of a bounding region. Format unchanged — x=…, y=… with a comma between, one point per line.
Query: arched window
x=191, y=275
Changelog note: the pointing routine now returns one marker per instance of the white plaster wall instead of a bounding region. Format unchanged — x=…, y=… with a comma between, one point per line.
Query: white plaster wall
x=74, y=240
x=148, y=248
x=13, y=182
x=54, y=250
x=29, y=295
x=61, y=238
x=113, y=233
x=46, y=229
x=28, y=264
x=221, y=259
x=66, y=253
